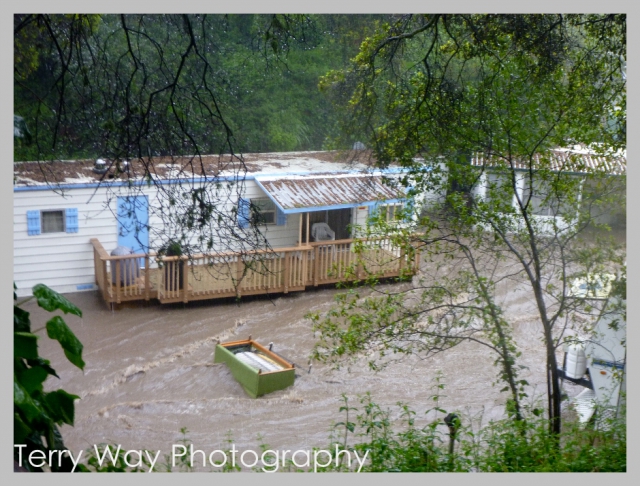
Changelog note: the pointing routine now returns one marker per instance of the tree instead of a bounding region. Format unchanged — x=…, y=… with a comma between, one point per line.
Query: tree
x=169, y=89
x=473, y=106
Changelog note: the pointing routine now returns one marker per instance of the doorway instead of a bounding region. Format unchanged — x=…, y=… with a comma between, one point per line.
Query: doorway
x=338, y=219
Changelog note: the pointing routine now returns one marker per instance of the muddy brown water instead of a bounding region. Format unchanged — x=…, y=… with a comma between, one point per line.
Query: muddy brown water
x=150, y=372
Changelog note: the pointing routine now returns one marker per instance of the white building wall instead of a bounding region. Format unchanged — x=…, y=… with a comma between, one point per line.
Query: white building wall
x=359, y=217
x=544, y=225
x=278, y=236
x=64, y=261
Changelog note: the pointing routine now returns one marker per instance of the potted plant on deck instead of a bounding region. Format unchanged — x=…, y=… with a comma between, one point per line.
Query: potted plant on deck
x=173, y=270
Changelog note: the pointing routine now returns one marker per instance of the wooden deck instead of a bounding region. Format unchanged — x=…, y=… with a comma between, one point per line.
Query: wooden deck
x=281, y=270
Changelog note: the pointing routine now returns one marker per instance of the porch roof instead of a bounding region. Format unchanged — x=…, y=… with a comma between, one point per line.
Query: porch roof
x=297, y=194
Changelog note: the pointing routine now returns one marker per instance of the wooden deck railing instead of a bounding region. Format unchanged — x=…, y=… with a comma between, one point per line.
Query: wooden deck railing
x=123, y=278
x=281, y=270
x=231, y=274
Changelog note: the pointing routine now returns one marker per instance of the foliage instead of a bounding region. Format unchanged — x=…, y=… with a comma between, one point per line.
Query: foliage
x=37, y=414
x=499, y=84
x=473, y=106
x=128, y=86
x=172, y=248
x=21, y=133
x=397, y=443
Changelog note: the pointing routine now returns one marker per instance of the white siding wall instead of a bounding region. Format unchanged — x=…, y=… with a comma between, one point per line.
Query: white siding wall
x=480, y=189
x=64, y=261
x=359, y=220
x=547, y=225
x=283, y=236
x=278, y=236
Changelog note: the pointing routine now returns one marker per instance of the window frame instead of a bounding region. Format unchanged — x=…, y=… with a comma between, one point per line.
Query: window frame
x=52, y=211
x=257, y=214
x=392, y=212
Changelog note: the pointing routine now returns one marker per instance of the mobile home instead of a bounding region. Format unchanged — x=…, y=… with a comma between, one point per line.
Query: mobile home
x=70, y=215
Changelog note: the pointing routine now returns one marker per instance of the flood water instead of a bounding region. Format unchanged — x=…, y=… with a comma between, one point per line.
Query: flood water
x=150, y=372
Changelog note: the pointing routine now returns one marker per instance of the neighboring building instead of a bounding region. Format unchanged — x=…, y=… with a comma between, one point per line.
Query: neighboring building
x=548, y=208
x=60, y=207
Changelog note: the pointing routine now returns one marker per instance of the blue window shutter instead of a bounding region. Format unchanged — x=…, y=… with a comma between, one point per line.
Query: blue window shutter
x=72, y=220
x=244, y=212
x=281, y=218
x=33, y=223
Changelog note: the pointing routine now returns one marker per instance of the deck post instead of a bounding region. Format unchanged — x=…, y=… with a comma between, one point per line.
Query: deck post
x=185, y=280
x=147, y=270
x=96, y=260
x=359, y=268
x=162, y=277
x=286, y=272
x=239, y=270
x=305, y=256
x=117, y=280
x=316, y=259
x=105, y=282
x=308, y=214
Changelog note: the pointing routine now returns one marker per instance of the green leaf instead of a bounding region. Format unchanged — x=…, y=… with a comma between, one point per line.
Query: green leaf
x=44, y=364
x=32, y=379
x=60, y=404
x=25, y=345
x=57, y=329
x=20, y=430
x=21, y=322
x=50, y=300
x=24, y=402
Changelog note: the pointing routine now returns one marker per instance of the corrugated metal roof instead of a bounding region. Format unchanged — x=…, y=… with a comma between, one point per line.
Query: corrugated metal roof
x=329, y=190
x=561, y=160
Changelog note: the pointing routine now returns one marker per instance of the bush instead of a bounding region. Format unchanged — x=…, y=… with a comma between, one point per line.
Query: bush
x=36, y=413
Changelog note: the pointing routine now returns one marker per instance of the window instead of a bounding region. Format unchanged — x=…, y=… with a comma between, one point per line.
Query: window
x=393, y=212
x=263, y=211
x=390, y=213
x=259, y=211
x=52, y=221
